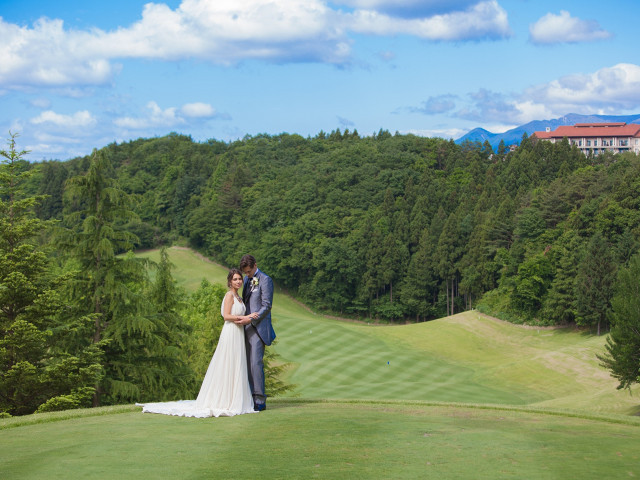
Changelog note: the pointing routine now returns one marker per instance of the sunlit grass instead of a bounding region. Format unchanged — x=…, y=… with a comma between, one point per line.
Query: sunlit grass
x=466, y=358
x=298, y=439
x=467, y=396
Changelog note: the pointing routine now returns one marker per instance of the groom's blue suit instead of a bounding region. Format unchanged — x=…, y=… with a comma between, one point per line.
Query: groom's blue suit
x=257, y=295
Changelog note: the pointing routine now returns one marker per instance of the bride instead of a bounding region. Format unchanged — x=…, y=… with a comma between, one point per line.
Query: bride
x=225, y=389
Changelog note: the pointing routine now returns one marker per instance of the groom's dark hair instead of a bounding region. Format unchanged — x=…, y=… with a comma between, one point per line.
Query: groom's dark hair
x=247, y=261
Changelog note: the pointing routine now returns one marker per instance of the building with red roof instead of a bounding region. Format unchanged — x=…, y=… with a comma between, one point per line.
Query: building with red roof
x=597, y=138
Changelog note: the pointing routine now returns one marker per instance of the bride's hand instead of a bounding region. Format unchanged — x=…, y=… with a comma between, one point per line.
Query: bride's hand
x=244, y=320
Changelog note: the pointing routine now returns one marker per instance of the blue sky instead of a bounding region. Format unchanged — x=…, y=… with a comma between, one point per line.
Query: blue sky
x=77, y=75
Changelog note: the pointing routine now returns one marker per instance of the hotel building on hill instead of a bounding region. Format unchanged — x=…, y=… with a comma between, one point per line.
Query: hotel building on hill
x=597, y=138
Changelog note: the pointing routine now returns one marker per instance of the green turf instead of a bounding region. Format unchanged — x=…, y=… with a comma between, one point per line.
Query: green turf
x=467, y=358
x=191, y=268
x=529, y=403
x=296, y=440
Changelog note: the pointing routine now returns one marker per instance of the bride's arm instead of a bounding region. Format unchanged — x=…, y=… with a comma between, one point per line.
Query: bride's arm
x=226, y=312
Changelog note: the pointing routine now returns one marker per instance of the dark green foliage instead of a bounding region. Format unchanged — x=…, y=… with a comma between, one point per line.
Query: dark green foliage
x=389, y=227
x=623, y=343
x=594, y=286
x=393, y=227
x=135, y=324
x=36, y=372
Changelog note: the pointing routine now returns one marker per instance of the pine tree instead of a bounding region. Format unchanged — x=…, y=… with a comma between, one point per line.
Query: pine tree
x=112, y=286
x=594, y=284
x=36, y=368
x=176, y=377
x=559, y=306
x=623, y=343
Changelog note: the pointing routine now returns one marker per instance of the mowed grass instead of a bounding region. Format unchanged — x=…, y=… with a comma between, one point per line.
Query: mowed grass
x=462, y=397
x=327, y=440
x=466, y=358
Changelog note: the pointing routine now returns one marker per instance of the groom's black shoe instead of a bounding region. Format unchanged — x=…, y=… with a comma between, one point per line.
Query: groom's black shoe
x=258, y=407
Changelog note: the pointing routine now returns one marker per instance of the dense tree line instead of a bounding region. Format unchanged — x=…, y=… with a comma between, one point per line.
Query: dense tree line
x=81, y=321
x=392, y=227
x=387, y=227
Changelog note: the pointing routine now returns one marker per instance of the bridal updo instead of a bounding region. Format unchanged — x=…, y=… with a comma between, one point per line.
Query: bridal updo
x=232, y=272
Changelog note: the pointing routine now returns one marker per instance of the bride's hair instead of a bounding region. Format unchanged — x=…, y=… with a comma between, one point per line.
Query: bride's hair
x=232, y=272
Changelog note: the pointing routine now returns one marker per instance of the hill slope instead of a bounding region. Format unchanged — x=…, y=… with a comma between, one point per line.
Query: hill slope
x=468, y=358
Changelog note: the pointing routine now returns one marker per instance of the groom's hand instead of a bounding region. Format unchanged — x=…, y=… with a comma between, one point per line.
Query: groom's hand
x=243, y=321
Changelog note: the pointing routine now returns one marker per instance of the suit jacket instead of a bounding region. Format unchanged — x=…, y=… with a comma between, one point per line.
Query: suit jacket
x=258, y=299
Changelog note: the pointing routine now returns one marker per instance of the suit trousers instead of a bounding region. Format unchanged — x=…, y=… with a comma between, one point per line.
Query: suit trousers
x=255, y=363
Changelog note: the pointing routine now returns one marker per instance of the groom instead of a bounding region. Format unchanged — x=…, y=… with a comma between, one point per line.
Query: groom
x=257, y=295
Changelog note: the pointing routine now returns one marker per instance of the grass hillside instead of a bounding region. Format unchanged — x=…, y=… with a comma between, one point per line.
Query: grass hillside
x=462, y=397
x=466, y=358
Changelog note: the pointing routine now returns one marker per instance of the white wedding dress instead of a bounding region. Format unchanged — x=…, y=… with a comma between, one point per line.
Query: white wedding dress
x=225, y=389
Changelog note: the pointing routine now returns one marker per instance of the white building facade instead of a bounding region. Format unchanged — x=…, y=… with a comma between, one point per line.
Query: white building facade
x=597, y=138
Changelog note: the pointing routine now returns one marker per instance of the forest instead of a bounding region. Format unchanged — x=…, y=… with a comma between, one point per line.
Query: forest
x=388, y=228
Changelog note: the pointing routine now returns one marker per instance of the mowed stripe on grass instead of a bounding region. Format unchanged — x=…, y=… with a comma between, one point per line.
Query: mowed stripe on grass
x=340, y=360
x=466, y=358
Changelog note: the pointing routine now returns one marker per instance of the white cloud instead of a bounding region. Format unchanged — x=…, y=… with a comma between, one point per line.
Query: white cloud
x=609, y=89
x=156, y=117
x=81, y=119
x=483, y=20
x=49, y=55
x=564, y=28
x=440, y=133
x=228, y=31
x=198, y=110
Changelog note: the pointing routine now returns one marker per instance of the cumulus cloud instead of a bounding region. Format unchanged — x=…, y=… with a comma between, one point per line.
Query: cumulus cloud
x=564, y=28
x=482, y=20
x=81, y=119
x=198, y=110
x=155, y=117
x=49, y=55
x=610, y=90
x=226, y=32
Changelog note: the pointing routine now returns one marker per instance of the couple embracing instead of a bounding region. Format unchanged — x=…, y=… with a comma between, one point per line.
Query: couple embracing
x=234, y=383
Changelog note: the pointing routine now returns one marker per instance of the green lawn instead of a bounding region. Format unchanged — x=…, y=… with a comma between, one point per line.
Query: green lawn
x=328, y=440
x=467, y=396
x=466, y=358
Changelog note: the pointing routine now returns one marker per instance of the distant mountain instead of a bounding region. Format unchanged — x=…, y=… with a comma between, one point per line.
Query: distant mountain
x=514, y=135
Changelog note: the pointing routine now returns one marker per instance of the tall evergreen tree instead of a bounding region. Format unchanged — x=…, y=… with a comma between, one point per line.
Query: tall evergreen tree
x=112, y=287
x=36, y=370
x=623, y=343
x=560, y=303
x=174, y=374
x=594, y=284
